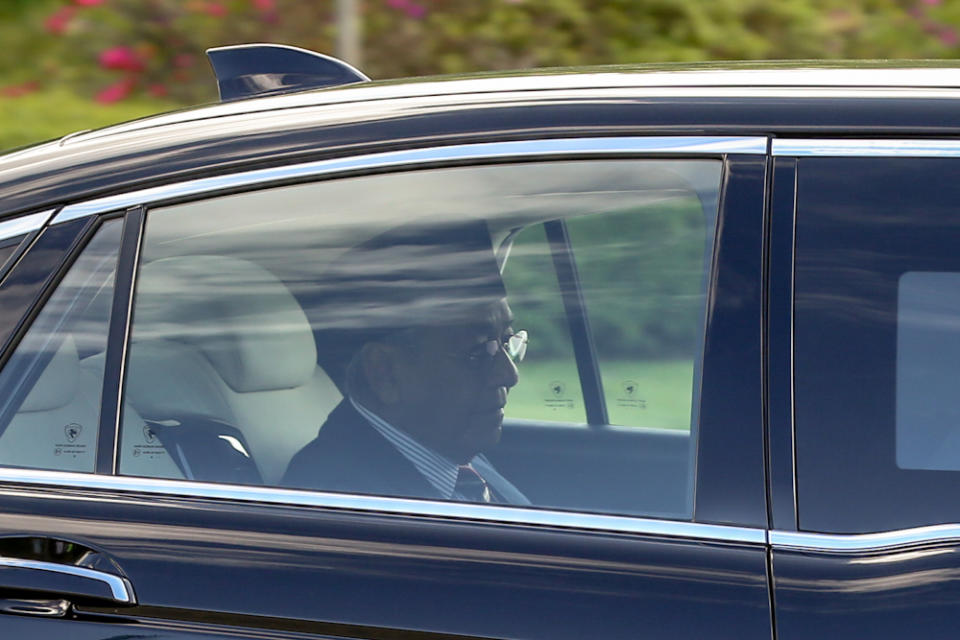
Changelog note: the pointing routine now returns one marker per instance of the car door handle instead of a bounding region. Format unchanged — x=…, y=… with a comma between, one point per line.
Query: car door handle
x=65, y=580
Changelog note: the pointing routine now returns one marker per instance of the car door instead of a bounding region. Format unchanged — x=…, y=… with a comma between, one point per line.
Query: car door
x=864, y=536
x=179, y=346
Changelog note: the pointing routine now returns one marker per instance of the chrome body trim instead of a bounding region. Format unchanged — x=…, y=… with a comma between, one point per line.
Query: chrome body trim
x=668, y=145
x=23, y=224
x=397, y=506
x=857, y=148
x=865, y=542
x=120, y=587
x=793, y=367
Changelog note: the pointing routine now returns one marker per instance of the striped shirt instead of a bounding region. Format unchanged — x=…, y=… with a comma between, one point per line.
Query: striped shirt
x=437, y=469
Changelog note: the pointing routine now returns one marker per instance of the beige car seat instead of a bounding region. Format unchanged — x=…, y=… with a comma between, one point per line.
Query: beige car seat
x=56, y=425
x=224, y=338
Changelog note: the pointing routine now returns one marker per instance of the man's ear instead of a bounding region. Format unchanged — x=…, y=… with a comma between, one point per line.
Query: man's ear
x=379, y=366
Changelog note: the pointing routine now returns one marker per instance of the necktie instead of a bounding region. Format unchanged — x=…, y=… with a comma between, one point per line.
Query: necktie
x=471, y=486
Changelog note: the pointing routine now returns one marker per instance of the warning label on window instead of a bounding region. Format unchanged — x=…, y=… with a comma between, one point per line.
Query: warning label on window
x=557, y=398
x=69, y=446
x=150, y=447
x=629, y=396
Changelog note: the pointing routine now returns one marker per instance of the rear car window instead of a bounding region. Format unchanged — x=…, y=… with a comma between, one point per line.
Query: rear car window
x=52, y=383
x=539, y=325
x=876, y=333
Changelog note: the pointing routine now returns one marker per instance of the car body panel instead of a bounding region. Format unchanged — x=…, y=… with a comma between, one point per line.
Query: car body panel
x=328, y=570
x=220, y=560
x=308, y=566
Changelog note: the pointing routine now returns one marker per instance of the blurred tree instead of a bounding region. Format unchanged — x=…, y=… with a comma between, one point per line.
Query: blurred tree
x=150, y=53
x=112, y=49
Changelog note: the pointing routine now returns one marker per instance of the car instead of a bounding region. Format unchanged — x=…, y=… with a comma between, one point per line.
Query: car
x=260, y=361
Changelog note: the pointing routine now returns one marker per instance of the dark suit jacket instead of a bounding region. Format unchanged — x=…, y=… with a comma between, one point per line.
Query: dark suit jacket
x=350, y=455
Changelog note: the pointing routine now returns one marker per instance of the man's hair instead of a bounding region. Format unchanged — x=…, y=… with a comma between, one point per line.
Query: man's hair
x=413, y=276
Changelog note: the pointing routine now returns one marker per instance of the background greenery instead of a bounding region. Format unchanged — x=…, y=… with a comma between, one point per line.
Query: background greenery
x=665, y=386
x=645, y=301
x=73, y=64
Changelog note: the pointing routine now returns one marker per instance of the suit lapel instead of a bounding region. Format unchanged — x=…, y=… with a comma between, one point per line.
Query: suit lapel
x=384, y=464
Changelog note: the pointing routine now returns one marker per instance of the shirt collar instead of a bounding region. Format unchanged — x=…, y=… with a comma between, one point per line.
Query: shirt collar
x=439, y=470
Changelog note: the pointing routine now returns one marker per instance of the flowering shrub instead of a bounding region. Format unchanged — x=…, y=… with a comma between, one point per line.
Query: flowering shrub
x=152, y=47
x=114, y=50
x=121, y=59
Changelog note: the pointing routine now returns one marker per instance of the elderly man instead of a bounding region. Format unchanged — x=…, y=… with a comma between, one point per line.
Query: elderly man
x=421, y=320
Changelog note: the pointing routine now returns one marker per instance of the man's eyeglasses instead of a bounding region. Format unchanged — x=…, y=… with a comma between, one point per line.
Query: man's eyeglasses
x=515, y=345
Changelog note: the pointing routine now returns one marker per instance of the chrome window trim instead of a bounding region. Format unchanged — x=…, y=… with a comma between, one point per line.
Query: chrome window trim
x=824, y=147
x=522, y=149
x=120, y=587
x=864, y=542
x=395, y=506
x=23, y=224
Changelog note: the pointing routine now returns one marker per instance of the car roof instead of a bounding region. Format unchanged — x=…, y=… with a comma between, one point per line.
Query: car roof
x=878, y=78
x=775, y=98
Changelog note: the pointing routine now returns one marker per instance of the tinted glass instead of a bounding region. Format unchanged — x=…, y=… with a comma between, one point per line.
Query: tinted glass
x=876, y=334
x=6, y=250
x=643, y=273
x=51, y=385
x=549, y=388
x=402, y=315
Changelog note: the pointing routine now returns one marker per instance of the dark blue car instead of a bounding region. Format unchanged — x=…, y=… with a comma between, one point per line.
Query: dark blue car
x=606, y=353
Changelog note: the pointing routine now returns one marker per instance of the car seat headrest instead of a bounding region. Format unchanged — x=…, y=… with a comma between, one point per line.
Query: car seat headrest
x=242, y=317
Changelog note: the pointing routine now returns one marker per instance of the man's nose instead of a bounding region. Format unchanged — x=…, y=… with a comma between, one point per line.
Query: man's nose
x=503, y=372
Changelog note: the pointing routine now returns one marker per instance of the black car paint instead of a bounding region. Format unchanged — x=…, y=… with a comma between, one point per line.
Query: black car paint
x=898, y=593
x=369, y=575
x=206, y=568
x=730, y=467
x=778, y=360
x=57, y=175
x=27, y=282
x=363, y=574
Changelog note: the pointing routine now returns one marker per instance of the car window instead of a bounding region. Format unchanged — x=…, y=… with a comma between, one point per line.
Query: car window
x=549, y=389
x=643, y=276
x=427, y=334
x=877, y=328
x=6, y=250
x=52, y=383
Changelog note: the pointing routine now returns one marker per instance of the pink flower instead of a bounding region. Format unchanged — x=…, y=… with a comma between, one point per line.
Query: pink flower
x=263, y=5
x=416, y=11
x=121, y=59
x=215, y=9
x=182, y=60
x=948, y=37
x=930, y=3
x=409, y=7
x=157, y=90
x=59, y=20
x=87, y=3
x=116, y=92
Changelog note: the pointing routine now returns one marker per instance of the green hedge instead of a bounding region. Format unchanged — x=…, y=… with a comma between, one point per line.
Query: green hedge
x=46, y=115
x=150, y=55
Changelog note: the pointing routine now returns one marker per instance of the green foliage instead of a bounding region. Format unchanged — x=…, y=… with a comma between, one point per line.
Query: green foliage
x=664, y=386
x=54, y=113
x=642, y=273
x=153, y=50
